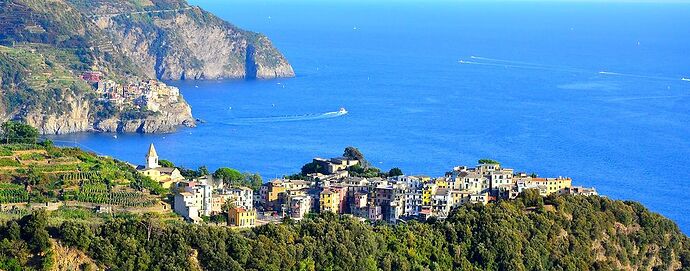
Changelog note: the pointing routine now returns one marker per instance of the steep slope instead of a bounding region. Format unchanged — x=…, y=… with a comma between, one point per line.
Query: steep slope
x=47, y=45
x=173, y=40
x=568, y=233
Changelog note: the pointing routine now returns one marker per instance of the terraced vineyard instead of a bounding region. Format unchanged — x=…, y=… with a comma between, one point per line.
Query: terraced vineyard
x=79, y=176
x=13, y=193
x=68, y=174
x=125, y=199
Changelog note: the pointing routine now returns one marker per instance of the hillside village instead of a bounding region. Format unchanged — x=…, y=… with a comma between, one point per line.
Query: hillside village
x=145, y=95
x=40, y=175
x=391, y=199
x=88, y=203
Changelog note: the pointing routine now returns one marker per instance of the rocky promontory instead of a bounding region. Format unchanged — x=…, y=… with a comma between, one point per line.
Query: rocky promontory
x=80, y=115
x=166, y=121
x=75, y=66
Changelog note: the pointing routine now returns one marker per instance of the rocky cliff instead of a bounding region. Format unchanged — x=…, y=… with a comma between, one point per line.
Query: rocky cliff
x=46, y=45
x=167, y=120
x=186, y=42
x=78, y=114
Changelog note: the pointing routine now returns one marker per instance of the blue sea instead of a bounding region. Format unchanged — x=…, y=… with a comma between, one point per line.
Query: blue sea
x=592, y=91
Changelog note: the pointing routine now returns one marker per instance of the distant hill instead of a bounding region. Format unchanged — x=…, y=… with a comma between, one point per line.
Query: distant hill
x=46, y=45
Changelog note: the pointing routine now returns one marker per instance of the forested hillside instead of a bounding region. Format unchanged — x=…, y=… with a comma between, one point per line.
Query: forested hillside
x=531, y=233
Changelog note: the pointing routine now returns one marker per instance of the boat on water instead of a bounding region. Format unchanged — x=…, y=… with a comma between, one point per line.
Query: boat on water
x=685, y=79
x=342, y=111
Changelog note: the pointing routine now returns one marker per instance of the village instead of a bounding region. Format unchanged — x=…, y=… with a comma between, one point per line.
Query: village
x=146, y=95
x=392, y=199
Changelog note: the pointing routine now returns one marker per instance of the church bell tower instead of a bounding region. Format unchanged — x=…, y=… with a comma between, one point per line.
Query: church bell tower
x=152, y=157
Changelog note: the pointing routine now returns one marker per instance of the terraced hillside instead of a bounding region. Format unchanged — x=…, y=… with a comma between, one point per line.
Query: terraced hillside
x=41, y=173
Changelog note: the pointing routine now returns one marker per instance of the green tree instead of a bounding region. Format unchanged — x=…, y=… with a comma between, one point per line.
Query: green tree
x=312, y=167
x=17, y=132
x=202, y=171
x=35, y=230
x=253, y=180
x=395, y=172
x=487, y=161
x=532, y=198
x=165, y=163
x=13, y=230
x=229, y=176
x=227, y=205
x=76, y=234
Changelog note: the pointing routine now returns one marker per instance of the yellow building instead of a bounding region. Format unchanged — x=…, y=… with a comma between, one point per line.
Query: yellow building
x=554, y=185
x=329, y=201
x=428, y=192
x=240, y=217
x=166, y=176
x=459, y=197
x=274, y=191
x=441, y=183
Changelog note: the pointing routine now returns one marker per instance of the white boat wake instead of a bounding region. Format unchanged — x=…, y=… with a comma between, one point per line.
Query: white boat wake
x=504, y=63
x=485, y=61
x=640, y=76
x=288, y=118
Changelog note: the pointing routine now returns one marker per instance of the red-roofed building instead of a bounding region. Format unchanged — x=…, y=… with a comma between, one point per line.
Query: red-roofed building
x=92, y=76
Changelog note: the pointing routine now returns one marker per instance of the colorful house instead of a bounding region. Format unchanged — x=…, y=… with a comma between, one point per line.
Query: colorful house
x=329, y=201
x=240, y=217
x=427, y=193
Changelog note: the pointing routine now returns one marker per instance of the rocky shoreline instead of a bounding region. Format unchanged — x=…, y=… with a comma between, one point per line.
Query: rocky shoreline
x=82, y=118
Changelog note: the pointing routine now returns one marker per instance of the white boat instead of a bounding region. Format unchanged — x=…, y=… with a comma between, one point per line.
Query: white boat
x=685, y=79
x=342, y=111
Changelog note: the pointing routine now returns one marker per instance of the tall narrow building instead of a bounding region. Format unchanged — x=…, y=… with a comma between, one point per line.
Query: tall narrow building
x=152, y=158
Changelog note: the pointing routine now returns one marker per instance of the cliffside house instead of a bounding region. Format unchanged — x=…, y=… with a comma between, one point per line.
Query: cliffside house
x=166, y=176
x=193, y=200
x=240, y=217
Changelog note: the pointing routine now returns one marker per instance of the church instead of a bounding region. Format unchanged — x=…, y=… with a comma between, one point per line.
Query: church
x=166, y=176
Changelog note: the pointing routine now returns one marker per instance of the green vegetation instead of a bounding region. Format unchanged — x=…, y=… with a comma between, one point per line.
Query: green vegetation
x=354, y=153
x=44, y=49
x=395, y=172
x=191, y=174
x=44, y=173
x=566, y=233
x=165, y=163
x=368, y=172
x=487, y=161
x=363, y=169
x=233, y=177
x=229, y=176
x=16, y=132
x=39, y=77
x=13, y=193
x=312, y=167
